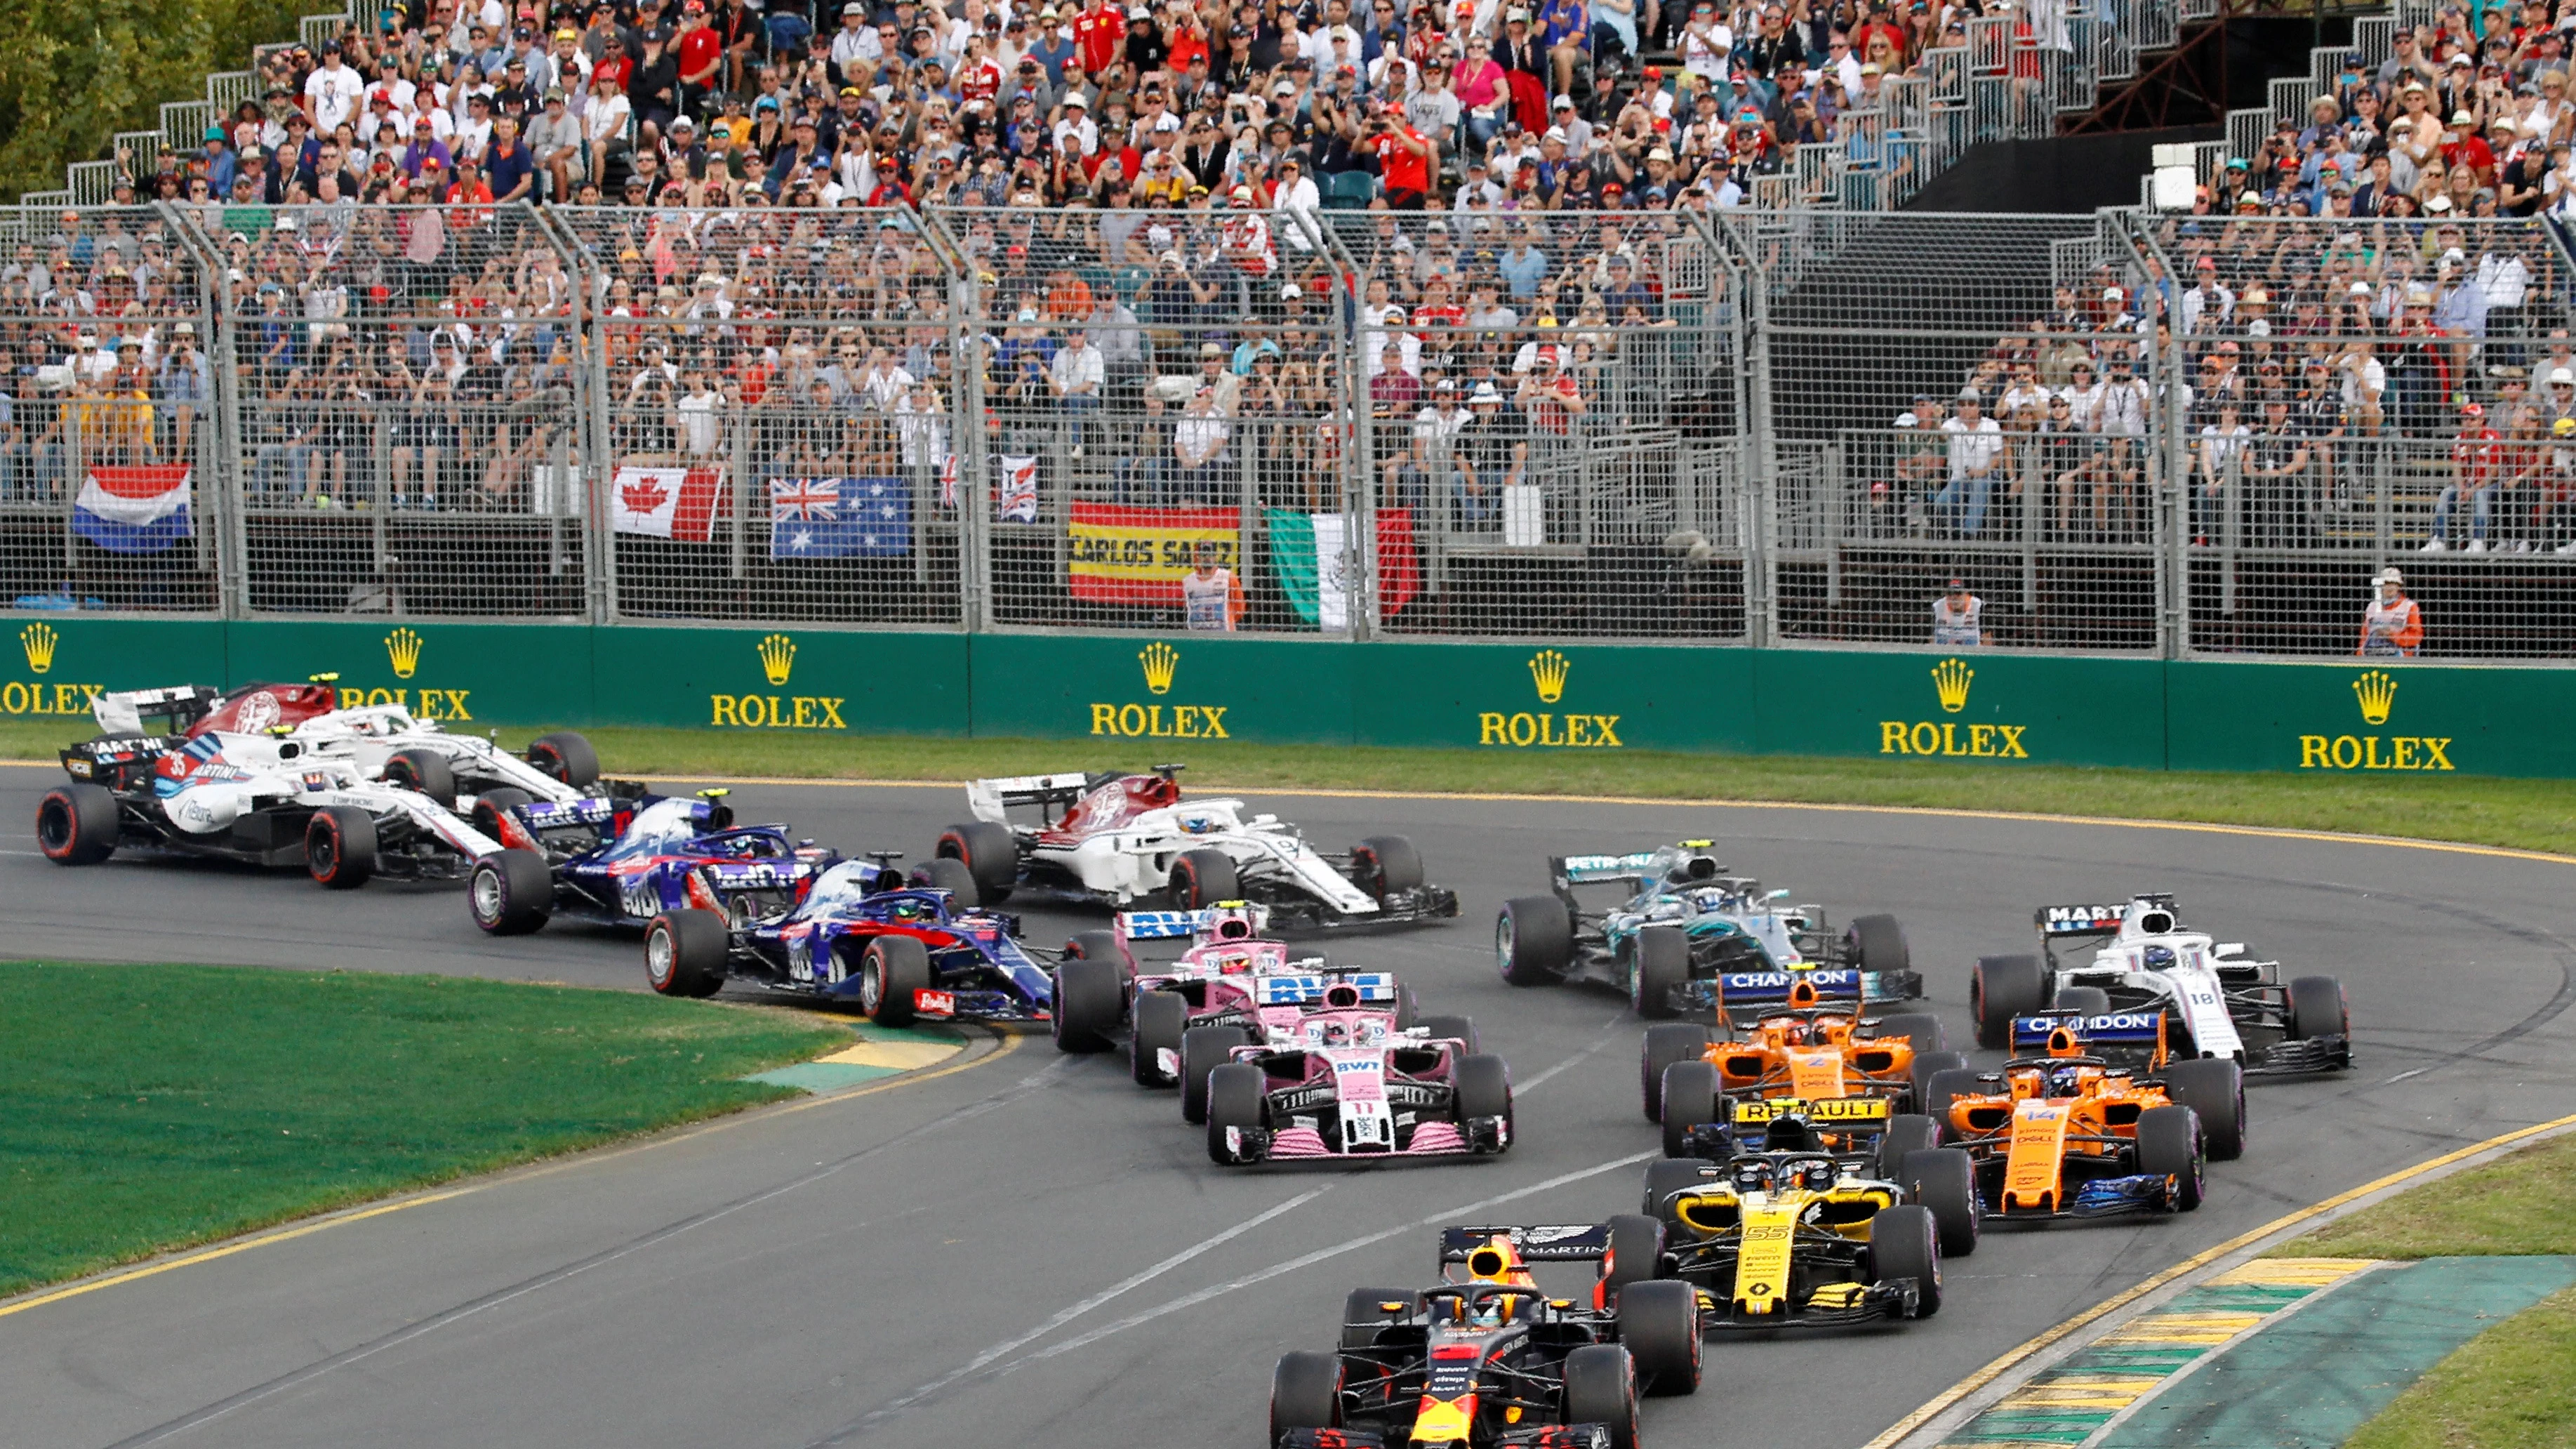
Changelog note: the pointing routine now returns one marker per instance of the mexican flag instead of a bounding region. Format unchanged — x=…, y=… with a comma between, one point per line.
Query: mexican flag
x=1314, y=553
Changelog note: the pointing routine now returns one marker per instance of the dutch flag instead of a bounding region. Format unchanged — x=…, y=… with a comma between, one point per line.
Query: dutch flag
x=133, y=510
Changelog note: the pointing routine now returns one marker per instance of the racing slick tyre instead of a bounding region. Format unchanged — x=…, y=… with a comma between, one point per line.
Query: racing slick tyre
x=1601, y=1388
x=1666, y=1176
x=1636, y=1253
x=1658, y=966
x=989, y=851
x=340, y=847
x=1451, y=1028
x=1097, y=946
x=2001, y=988
x=1088, y=1000
x=1940, y=1088
x=2090, y=1000
x=1878, y=944
x=892, y=971
x=566, y=756
x=1161, y=1018
x=685, y=951
x=1690, y=1100
x=1203, y=1050
x=76, y=823
x=942, y=873
x=1408, y=1011
x=1945, y=1181
x=1907, y=1133
x=491, y=805
x=1234, y=1100
x=510, y=892
x=1666, y=1043
x=423, y=772
x=1928, y=1065
x=1200, y=879
x=1904, y=1242
x=2214, y=1088
x=2169, y=1146
x=2316, y=1008
x=1659, y=1322
x=1386, y=865
x=1533, y=940
x=1305, y=1393
x=1364, y=1313
x=1485, y=1090
x=1921, y=1029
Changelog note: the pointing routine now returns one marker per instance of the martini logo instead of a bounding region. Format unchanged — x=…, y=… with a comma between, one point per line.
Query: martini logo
x=1521, y=729
x=1143, y=720
x=2375, y=691
x=28, y=696
x=1951, y=679
x=402, y=650
x=38, y=640
x=777, y=655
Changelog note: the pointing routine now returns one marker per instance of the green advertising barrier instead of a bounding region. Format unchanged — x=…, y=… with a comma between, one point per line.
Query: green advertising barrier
x=461, y=675
x=60, y=660
x=1972, y=707
x=1571, y=697
x=860, y=681
x=1180, y=688
x=2366, y=716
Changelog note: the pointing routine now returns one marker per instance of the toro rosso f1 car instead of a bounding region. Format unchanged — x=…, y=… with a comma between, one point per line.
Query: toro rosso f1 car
x=255, y=799
x=1813, y=1046
x=1489, y=1358
x=2217, y=1001
x=1340, y=1081
x=1122, y=838
x=1681, y=926
x=621, y=861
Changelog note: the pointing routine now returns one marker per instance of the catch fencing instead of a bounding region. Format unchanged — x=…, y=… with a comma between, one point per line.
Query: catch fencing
x=1772, y=428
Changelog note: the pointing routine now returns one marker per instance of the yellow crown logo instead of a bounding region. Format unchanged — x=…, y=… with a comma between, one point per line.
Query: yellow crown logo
x=777, y=657
x=39, y=641
x=2376, y=691
x=1548, y=670
x=402, y=646
x=1161, y=660
x=1950, y=678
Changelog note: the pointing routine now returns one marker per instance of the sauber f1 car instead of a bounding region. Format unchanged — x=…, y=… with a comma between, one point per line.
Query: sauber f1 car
x=1786, y=1035
x=2061, y=1133
x=256, y=799
x=1334, y=1078
x=1123, y=838
x=619, y=860
x=1680, y=926
x=2220, y=1002
x=1489, y=1358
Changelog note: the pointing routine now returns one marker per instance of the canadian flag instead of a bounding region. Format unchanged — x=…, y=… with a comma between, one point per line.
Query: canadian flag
x=675, y=503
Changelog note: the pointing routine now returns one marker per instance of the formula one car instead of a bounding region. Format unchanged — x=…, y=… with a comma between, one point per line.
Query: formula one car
x=620, y=860
x=255, y=799
x=1342, y=1082
x=1124, y=838
x=1488, y=1358
x=2059, y=1133
x=1815, y=1045
x=2218, y=1001
x=858, y=932
x=1682, y=927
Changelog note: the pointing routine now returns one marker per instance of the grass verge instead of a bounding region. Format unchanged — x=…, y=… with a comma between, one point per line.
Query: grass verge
x=2516, y=1204
x=2517, y=814
x=147, y=1108
x=2508, y=1388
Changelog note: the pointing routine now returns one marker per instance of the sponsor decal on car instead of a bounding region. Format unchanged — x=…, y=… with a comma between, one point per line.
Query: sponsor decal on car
x=2376, y=693
x=934, y=1003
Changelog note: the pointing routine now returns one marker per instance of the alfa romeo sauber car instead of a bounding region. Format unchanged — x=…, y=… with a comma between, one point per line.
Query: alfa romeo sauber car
x=1341, y=1082
x=1122, y=838
x=1680, y=927
x=1491, y=1358
x=1816, y=1045
x=2217, y=1000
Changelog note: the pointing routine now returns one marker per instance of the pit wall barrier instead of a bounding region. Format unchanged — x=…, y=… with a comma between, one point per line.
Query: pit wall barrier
x=1129, y=697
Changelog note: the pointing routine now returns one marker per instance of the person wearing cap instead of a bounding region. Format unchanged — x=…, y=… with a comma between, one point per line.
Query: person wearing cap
x=1958, y=617
x=855, y=46
x=332, y=92
x=2392, y=626
x=2477, y=466
x=1976, y=452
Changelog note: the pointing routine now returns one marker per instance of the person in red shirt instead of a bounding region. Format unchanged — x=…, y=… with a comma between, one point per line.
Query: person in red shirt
x=2468, y=148
x=2474, y=455
x=979, y=76
x=1099, y=34
x=702, y=53
x=1405, y=158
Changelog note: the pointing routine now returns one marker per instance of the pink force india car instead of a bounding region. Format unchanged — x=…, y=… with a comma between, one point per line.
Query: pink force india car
x=1341, y=1082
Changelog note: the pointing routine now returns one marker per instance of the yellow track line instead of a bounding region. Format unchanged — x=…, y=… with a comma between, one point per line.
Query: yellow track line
x=1995, y=1370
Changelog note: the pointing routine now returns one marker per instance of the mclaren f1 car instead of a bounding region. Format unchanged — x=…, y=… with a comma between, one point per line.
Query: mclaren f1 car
x=1813, y=1046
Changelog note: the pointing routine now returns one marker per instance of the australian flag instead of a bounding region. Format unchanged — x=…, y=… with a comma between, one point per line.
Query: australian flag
x=839, y=518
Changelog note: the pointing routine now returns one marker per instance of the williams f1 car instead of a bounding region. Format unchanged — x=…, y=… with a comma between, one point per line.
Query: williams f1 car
x=1681, y=926
x=2216, y=1001
x=1488, y=1358
x=1334, y=1078
x=1814, y=1045
x=1121, y=839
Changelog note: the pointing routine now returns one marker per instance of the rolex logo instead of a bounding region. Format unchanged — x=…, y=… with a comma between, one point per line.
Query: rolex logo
x=1161, y=661
x=39, y=641
x=1548, y=670
x=2376, y=691
x=402, y=646
x=777, y=657
x=1950, y=678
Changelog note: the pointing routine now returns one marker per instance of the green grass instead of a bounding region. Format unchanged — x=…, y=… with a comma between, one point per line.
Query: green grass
x=2520, y=814
x=2516, y=1204
x=146, y=1108
x=2510, y=1387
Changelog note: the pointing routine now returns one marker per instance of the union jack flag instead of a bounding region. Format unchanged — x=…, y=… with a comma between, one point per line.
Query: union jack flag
x=805, y=500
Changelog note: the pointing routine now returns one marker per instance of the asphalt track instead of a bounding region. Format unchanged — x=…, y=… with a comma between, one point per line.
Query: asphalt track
x=1030, y=1250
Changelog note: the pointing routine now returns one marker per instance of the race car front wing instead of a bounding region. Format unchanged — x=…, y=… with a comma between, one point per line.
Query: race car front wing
x=1852, y=1305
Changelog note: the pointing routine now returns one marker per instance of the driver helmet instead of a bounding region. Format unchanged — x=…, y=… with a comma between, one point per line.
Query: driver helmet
x=1231, y=921
x=2062, y=1081
x=1753, y=1175
x=1489, y=1312
x=1336, y=1033
x=2157, y=958
x=1233, y=963
x=912, y=909
x=1816, y=1176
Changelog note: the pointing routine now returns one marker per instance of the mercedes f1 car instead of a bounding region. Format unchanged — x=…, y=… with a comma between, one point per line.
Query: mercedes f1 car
x=2217, y=1001
x=1681, y=926
x=1340, y=1081
x=254, y=799
x=1809, y=1042
x=1488, y=1358
x=2059, y=1133
x=1120, y=839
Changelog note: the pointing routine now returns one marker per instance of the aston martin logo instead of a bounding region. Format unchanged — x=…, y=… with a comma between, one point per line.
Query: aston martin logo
x=1950, y=679
x=402, y=646
x=39, y=641
x=2376, y=691
x=1548, y=670
x=1161, y=661
x=777, y=657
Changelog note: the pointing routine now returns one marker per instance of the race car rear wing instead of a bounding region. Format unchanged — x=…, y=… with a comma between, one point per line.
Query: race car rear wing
x=993, y=799
x=1741, y=991
x=1842, y=1112
x=152, y=711
x=2060, y=923
x=1171, y=925
x=1307, y=989
x=2122, y=1029
x=1558, y=1243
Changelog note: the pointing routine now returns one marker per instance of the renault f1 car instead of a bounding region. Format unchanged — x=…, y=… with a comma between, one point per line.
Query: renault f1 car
x=619, y=860
x=2218, y=1001
x=2060, y=1133
x=1681, y=929
x=1815, y=1046
x=1340, y=1081
x=1488, y=1358
x=254, y=799
x=1120, y=839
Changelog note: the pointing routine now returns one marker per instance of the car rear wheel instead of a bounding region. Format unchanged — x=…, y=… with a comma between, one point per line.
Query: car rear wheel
x=423, y=772
x=1088, y=1001
x=511, y=892
x=1305, y=1393
x=1234, y=1104
x=2090, y=1000
x=2001, y=988
x=1928, y=1065
x=1907, y=1132
x=1920, y=1029
x=1200, y=879
x=1658, y=966
x=893, y=971
x=1601, y=1388
x=566, y=756
x=2316, y=1008
x=1096, y=946
x=76, y=823
x=1878, y=944
x=2214, y=1088
x=1533, y=940
x=1636, y=1252
x=1387, y=865
x=340, y=847
x=1450, y=1028
x=685, y=952
x=1485, y=1090
x=1666, y=1176
x=1666, y=1043
x=943, y=873
x=1690, y=1100
x=2169, y=1146
x=1161, y=1018
x=1365, y=1314
x=1659, y=1322
x=1203, y=1050
x=988, y=850
x=1904, y=1242
x=1944, y=1180
x=491, y=805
